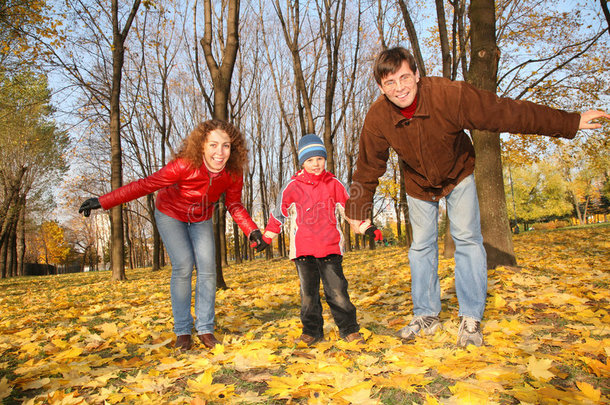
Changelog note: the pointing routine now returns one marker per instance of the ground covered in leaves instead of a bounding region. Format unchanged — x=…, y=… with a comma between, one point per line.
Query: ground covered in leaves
x=79, y=338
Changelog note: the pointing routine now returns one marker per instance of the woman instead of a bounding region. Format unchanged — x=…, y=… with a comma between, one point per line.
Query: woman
x=209, y=163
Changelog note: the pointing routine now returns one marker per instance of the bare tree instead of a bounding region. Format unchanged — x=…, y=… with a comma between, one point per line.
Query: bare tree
x=413, y=37
x=604, y=4
x=221, y=71
x=119, y=35
x=490, y=183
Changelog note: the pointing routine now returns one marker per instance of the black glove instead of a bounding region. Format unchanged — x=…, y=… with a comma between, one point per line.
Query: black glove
x=374, y=233
x=88, y=205
x=258, y=243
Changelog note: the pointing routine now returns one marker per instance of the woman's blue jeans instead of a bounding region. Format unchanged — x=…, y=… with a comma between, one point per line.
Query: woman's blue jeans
x=470, y=256
x=190, y=245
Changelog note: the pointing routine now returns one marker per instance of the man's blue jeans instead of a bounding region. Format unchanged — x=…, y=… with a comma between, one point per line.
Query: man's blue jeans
x=470, y=256
x=190, y=245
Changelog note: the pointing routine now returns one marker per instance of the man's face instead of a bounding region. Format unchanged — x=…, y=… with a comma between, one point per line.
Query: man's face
x=400, y=87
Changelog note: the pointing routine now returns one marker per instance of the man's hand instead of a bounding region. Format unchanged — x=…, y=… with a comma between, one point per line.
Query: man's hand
x=88, y=205
x=591, y=115
x=258, y=242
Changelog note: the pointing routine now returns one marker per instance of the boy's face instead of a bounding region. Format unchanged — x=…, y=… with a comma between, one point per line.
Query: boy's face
x=314, y=165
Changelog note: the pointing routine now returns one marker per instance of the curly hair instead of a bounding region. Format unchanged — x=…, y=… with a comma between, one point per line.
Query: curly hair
x=192, y=146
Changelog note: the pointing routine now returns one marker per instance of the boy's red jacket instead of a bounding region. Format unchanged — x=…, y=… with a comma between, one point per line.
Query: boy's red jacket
x=311, y=207
x=187, y=193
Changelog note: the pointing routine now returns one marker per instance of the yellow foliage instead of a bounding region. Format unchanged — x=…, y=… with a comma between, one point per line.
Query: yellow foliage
x=79, y=339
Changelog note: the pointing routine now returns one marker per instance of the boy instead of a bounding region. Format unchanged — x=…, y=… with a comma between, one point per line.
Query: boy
x=312, y=202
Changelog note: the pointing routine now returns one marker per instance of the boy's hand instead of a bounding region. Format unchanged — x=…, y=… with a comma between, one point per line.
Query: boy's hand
x=358, y=226
x=374, y=233
x=258, y=241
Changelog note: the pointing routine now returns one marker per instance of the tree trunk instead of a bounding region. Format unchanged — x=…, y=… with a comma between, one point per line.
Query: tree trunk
x=443, y=37
x=581, y=220
x=405, y=207
x=449, y=245
x=604, y=4
x=413, y=38
x=236, y=247
x=221, y=80
x=117, y=260
x=22, y=247
x=488, y=170
x=156, y=256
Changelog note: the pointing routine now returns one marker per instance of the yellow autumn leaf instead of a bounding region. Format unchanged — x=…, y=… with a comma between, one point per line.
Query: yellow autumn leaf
x=407, y=382
x=69, y=354
x=502, y=374
x=35, y=384
x=158, y=345
x=468, y=393
x=246, y=359
x=430, y=400
x=589, y=391
x=108, y=330
x=600, y=369
x=539, y=368
x=5, y=389
x=203, y=386
x=283, y=387
x=358, y=394
x=499, y=302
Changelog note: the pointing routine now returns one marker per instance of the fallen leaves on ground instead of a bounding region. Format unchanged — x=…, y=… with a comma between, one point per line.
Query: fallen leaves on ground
x=79, y=338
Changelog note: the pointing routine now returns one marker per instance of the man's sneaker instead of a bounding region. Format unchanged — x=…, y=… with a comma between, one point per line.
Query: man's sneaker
x=420, y=325
x=469, y=332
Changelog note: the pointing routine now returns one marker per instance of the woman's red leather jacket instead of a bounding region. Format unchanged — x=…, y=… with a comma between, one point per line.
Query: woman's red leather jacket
x=187, y=193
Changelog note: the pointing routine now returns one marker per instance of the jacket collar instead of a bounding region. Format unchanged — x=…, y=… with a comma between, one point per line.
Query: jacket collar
x=305, y=177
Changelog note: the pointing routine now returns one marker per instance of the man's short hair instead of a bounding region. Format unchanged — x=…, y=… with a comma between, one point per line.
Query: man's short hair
x=390, y=60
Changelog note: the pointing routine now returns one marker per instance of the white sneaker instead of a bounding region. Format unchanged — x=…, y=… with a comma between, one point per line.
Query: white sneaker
x=420, y=325
x=470, y=332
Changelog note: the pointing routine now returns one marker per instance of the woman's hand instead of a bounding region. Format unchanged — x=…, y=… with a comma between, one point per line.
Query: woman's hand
x=258, y=242
x=88, y=205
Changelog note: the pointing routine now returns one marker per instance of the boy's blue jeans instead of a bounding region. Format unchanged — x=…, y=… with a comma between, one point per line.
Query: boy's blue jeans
x=190, y=245
x=470, y=256
x=330, y=270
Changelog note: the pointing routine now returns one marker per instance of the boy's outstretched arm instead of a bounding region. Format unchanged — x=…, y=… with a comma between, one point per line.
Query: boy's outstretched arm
x=591, y=115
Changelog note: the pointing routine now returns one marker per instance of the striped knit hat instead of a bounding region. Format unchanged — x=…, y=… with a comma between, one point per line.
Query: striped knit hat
x=309, y=146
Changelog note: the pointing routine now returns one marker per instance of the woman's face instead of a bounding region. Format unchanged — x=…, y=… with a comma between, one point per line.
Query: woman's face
x=216, y=150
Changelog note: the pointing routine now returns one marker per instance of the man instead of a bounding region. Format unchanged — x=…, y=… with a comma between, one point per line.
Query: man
x=423, y=120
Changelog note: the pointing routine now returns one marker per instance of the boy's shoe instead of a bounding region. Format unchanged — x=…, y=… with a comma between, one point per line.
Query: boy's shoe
x=469, y=332
x=420, y=325
x=308, y=339
x=356, y=336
